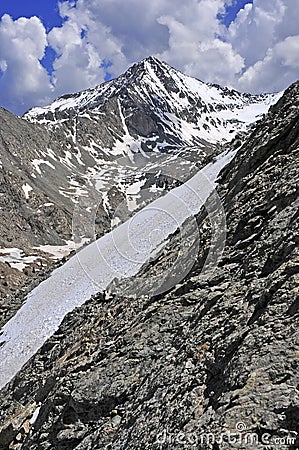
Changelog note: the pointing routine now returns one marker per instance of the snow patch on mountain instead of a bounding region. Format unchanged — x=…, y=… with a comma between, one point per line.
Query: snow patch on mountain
x=16, y=258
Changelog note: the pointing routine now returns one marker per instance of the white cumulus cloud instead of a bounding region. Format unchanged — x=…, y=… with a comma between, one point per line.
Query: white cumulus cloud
x=278, y=69
x=265, y=34
x=24, y=79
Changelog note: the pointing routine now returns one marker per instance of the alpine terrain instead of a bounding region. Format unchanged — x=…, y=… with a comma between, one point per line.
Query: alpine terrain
x=149, y=268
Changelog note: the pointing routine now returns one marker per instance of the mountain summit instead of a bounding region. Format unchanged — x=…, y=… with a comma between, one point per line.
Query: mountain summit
x=153, y=106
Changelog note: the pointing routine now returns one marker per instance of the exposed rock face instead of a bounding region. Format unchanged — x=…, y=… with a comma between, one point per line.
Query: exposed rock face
x=213, y=356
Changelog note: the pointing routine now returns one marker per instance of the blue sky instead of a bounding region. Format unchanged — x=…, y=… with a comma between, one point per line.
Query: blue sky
x=232, y=10
x=49, y=48
x=46, y=10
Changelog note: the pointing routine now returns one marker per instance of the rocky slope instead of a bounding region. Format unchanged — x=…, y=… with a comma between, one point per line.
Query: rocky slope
x=212, y=360
x=85, y=150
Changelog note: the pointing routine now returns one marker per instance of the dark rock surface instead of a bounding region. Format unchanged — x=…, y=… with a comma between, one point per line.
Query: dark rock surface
x=215, y=354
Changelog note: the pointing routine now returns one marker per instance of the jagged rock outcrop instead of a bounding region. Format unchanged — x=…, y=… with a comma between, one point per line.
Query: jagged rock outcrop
x=215, y=357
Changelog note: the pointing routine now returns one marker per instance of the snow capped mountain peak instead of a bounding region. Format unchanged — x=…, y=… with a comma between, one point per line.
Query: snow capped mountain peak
x=150, y=61
x=154, y=106
x=148, y=64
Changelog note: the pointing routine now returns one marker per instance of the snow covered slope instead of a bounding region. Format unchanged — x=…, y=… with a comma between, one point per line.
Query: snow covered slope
x=119, y=254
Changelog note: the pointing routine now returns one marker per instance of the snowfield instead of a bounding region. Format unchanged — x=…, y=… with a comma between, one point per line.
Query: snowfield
x=118, y=254
x=16, y=258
